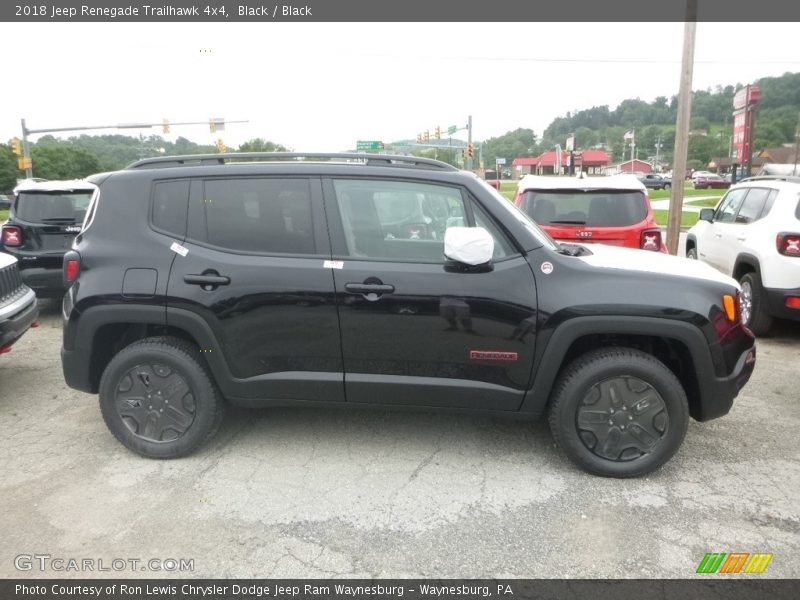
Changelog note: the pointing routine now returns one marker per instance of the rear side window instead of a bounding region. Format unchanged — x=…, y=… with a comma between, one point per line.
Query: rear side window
x=574, y=207
x=50, y=207
x=753, y=205
x=797, y=210
x=170, y=202
x=269, y=215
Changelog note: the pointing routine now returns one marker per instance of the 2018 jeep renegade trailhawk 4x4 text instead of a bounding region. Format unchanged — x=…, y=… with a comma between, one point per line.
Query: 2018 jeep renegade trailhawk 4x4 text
x=369, y=279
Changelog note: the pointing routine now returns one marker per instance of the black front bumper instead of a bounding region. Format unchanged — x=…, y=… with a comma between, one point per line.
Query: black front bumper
x=13, y=325
x=718, y=393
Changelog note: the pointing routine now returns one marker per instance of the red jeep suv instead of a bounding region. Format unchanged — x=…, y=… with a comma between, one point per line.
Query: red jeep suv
x=612, y=210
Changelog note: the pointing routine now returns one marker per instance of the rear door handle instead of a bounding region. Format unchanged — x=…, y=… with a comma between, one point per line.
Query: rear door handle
x=205, y=280
x=368, y=288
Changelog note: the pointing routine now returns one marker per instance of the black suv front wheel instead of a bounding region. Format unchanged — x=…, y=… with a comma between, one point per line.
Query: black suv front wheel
x=158, y=398
x=618, y=412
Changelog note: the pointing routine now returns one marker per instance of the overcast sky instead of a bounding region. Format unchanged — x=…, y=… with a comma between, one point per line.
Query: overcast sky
x=322, y=86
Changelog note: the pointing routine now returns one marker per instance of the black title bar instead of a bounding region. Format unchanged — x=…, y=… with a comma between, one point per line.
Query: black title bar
x=707, y=587
x=401, y=11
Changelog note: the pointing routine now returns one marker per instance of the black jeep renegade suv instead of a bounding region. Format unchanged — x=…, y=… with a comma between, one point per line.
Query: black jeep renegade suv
x=265, y=280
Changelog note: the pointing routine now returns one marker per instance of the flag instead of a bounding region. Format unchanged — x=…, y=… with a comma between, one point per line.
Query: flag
x=628, y=135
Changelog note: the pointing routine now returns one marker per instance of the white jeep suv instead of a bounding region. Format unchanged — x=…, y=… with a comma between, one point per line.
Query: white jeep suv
x=754, y=235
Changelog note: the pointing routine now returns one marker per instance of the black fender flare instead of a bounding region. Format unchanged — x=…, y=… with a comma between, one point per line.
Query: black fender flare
x=551, y=359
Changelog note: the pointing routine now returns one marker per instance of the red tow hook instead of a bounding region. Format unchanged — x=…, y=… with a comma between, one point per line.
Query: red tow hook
x=34, y=325
x=5, y=349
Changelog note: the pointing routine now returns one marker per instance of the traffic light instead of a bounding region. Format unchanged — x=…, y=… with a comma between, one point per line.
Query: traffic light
x=16, y=146
x=165, y=126
x=212, y=125
x=221, y=146
x=470, y=150
x=419, y=138
x=426, y=136
x=438, y=132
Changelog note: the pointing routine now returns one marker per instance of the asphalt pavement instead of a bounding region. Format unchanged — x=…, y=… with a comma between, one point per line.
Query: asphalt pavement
x=355, y=493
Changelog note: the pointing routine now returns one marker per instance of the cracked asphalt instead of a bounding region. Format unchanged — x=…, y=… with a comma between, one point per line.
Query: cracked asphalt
x=290, y=493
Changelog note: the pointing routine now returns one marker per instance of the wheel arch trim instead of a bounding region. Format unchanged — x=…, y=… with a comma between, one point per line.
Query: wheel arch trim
x=566, y=334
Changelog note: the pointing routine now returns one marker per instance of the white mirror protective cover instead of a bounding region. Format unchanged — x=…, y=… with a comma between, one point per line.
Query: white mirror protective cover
x=468, y=245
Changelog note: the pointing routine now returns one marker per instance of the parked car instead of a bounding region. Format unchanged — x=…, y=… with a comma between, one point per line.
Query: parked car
x=610, y=210
x=703, y=182
x=695, y=174
x=654, y=181
x=43, y=221
x=754, y=235
x=18, y=308
x=492, y=178
x=278, y=281
x=5, y=202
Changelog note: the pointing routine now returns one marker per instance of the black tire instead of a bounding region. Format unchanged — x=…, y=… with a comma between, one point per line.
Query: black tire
x=136, y=389
x=667, y=186
x=753, y=301
x=594, y=406
x=691, y=252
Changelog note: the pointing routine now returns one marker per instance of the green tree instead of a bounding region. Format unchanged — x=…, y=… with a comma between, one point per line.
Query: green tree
x=63, y=161
x=261, y=145
x=510, y=145
x=8, y=169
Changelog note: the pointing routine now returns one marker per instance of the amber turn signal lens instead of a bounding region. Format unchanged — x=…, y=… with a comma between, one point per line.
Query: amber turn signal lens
x=729, y=302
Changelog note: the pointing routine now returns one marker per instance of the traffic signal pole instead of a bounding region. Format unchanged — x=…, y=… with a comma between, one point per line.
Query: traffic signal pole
x=469, y=142
x=214, y=123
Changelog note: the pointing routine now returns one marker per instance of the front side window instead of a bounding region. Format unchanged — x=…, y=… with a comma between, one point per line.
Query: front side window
x=729, y=205
x=269, y=215
x=404, y=221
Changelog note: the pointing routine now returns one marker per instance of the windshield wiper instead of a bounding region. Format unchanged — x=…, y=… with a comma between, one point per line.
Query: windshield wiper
x=567, y=222
x=58, y=220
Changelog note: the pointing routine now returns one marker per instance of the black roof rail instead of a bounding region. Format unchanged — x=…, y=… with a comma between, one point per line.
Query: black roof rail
x=789, y=178
x=380, y=160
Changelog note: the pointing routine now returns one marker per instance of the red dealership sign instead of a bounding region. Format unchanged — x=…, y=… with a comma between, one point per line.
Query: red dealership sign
x=743, y=103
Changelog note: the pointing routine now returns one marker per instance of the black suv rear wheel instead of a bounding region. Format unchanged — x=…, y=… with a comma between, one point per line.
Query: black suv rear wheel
x=618, y=412
x=158, y=398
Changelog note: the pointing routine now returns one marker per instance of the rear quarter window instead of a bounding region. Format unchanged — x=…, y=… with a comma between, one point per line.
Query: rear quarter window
x=170, y=205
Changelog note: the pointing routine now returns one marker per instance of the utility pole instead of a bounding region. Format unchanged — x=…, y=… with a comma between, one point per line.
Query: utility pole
x=682, y=129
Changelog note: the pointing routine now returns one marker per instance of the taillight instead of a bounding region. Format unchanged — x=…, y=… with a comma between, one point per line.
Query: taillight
x=72, y=266
x=793, y=302
x=651, y=240
x=12, y=235
x=788, y=244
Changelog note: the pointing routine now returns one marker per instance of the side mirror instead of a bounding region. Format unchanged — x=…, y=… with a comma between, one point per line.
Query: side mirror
x=707, y=214
x=468, y=245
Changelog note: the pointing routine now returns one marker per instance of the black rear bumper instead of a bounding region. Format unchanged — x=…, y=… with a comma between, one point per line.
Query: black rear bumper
x=776, y=301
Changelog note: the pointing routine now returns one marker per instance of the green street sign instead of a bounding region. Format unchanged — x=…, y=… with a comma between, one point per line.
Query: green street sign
x=369, y=145
x=452, y=129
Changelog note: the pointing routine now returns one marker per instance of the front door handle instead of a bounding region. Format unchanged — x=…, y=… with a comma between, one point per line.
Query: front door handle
x=368, y=288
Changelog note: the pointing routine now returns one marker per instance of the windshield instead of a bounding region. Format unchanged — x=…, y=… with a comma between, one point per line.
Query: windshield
x=591, y=207
x=44, y=207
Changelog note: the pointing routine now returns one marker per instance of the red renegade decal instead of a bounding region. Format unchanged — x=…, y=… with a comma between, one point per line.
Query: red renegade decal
x=492, y=355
